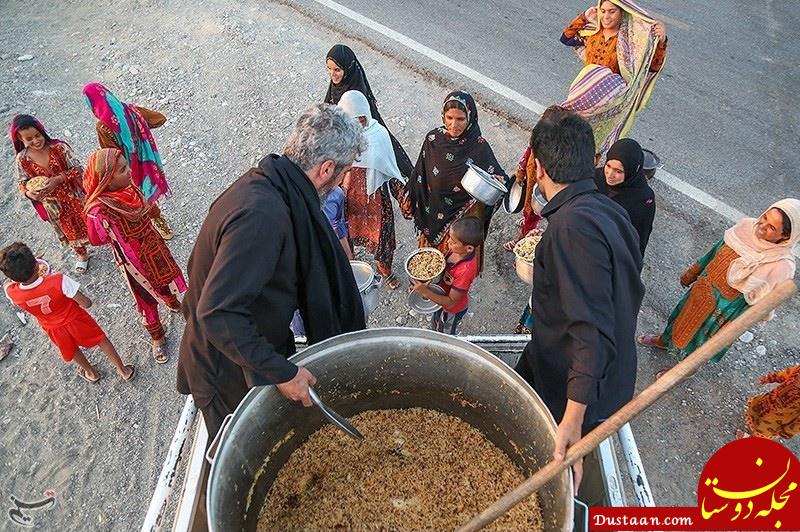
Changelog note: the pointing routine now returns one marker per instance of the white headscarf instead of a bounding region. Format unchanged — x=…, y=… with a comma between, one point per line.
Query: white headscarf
x=378, y=159
x=762, y=265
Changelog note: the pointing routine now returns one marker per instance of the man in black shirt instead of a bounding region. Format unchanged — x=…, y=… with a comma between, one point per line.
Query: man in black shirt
x=264, y=251
x=586, y=286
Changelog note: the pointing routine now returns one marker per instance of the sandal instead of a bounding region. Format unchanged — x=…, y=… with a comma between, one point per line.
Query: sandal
x=82, y=374
x=649, y=340
x=131, y=375
x=81, y=265
x=393, y=282
x=159, y=354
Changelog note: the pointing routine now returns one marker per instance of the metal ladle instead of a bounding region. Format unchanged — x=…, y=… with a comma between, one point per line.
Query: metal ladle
x=341, y=422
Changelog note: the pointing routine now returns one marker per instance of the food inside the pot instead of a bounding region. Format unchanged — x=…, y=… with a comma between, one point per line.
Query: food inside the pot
x=416, y=469
x=425, y=265
x=525, y=249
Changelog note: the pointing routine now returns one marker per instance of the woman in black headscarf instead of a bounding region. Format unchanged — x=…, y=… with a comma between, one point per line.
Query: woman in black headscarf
x=346, y=74
x=622, y=179
x=435, y=194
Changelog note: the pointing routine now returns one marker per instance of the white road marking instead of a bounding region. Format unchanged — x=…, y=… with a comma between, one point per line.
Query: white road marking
x=662, y=175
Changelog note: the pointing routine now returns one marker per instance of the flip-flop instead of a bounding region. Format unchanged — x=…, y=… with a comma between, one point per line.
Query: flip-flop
x=82, y=374
x=81, y=265
x=159, y=355
x=393, y=282
x=649, y=340
x=132, y=375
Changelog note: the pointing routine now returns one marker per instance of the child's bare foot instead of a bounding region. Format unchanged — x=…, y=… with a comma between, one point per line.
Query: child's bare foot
x=158, y=352
x=129, y=374
x=509, y=246
x=741, y=434
x=89, y=375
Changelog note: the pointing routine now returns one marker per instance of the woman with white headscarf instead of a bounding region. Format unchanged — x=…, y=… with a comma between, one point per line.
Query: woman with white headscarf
x=374, y=178
x=753, y=258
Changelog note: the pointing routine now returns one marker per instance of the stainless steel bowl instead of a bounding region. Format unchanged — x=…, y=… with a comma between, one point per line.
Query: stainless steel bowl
x=368, y=285
x=514, y=201
x=482, y=186
x=379, y=369
x=651, y=164
x=436, y=278
x=421, y=304
x=524, y=270
x=538, y=200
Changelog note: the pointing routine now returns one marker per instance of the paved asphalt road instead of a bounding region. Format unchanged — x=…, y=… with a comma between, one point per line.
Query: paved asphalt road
x=723, y=116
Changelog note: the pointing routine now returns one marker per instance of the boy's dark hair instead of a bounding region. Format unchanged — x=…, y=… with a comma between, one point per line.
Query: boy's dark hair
x=469, y=230
x=787, y=224
x=563, y=143
x=17, y=262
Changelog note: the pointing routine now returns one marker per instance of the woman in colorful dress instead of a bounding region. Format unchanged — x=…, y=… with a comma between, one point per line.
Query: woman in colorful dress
x=347, y=74
x=117, y=214
x=775, y=414
x=754, y=257
x=60, y=202
x=435, y=194
x=126, y=127
x=370, y=185
x=623, y=49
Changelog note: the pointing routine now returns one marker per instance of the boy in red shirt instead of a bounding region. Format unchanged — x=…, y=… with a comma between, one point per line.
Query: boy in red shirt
x=58, y=305
x=466, y=235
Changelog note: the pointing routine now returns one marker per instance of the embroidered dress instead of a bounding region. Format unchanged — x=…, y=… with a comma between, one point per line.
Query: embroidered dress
x=776, y=414
x=63, y=207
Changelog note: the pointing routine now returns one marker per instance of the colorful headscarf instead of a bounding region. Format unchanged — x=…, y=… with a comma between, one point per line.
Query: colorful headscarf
x=133, y=136
x=762, y=265
x=129, y=201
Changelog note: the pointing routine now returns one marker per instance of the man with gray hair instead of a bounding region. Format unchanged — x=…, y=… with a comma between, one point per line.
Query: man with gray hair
x=264, y=251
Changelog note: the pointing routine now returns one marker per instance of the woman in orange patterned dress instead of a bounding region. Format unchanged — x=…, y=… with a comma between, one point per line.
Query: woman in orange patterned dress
x=754, y=256
x=60, y=202
x=370, y=185
x=776, y=414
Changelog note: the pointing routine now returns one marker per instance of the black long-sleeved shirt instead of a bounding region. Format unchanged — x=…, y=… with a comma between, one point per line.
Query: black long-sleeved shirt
x=586, y=297
x=241, y=297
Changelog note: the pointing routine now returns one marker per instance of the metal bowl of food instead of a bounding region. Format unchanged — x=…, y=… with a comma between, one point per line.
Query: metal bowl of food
x=368, y=285
x=482, y=186
x=426, y=264
x=652, y=162
x=421, y=304
x=525, y=252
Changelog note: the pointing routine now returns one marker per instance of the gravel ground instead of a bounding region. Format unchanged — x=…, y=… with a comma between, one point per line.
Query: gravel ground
x=231, y=78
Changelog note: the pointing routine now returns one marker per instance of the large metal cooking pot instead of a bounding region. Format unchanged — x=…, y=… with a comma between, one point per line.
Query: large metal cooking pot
x=375, y=369
x=483, y=186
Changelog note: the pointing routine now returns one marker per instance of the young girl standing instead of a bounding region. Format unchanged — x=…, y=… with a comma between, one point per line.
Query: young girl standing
x=117, y=214
x=60, y=202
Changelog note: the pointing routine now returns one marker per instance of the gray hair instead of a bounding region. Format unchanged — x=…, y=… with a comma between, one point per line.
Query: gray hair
x=325, y=132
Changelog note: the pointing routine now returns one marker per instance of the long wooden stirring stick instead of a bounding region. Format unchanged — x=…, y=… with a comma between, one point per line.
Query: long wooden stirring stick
x=686, y=368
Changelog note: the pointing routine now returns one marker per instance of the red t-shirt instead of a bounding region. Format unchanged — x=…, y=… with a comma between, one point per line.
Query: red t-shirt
x=48, y=299
x=459, y=276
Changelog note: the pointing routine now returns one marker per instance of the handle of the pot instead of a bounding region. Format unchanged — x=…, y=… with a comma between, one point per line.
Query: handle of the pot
x=581, y=516
x=211, y=453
